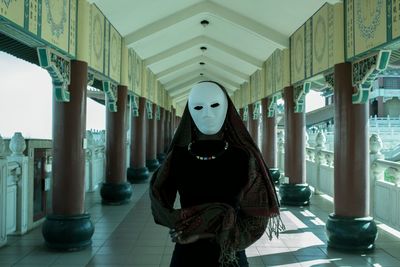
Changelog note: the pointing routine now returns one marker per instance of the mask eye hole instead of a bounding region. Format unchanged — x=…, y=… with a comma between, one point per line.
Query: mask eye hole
x=215, y=105
x=198, y=107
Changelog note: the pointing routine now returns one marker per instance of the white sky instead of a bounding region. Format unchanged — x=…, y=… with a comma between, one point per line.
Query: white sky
x=26, y=101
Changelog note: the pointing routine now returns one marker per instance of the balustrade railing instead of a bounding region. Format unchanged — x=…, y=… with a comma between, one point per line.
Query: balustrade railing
x=384, y=176
x=95, y=162
x=19, y=187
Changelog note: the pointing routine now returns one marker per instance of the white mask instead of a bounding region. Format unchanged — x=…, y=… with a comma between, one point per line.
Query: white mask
x=208, y=105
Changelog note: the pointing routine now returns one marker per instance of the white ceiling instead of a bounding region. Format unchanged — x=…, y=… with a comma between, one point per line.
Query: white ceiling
x=241, y=35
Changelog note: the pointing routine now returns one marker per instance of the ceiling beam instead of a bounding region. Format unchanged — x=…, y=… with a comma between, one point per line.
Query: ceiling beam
x=222, y=80
x=208, y=61
x=178, y=67
x=227, y=68
x=201, y=40
x=182, y=77
x=184, y=86
x=268, y=34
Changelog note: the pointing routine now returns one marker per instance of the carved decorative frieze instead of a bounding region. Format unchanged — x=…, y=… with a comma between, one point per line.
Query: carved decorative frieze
x=110, y=90
x=272, y=104
x=149, y=110
x=299, y=96
x=365, y=72
x=59, y=68
x=135, y=106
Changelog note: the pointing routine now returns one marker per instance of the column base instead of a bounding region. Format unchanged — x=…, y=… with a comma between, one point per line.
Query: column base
x=116, y=194
x=351, y=233
x=137, y=175
x=152, y=164
x=275, y=173
x=295, y=194
x=161, y=157
x=68, y=232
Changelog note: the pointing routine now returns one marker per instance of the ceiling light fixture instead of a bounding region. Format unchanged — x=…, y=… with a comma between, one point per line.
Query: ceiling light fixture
x=204, y=23
x=201, y=74
x=203, y=48
x=202, y=63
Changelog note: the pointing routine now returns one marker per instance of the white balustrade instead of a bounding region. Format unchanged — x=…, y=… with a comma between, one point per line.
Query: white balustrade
x=95, y=159
x=319, y=166
x=3, y=194
x=17, y=187
x=281, y=153
x=385, y=185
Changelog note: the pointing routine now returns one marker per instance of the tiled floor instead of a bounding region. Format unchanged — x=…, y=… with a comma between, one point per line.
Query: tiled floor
x=127, y=236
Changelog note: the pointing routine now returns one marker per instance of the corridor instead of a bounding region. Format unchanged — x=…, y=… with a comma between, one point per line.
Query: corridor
x=126, y=236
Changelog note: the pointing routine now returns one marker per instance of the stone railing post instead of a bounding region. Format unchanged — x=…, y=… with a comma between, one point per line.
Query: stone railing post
x=3, y=194
x=17, y=147
x=281, y=153
x=320, y=141
x=376, y=170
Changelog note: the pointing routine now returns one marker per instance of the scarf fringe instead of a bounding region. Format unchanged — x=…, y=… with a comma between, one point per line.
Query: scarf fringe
x=274, y=227
x=228, y=254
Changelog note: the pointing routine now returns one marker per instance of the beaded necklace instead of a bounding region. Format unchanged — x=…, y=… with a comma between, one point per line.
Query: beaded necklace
x=189, y=148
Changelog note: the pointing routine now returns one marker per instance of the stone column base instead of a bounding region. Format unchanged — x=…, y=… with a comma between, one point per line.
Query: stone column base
x=161, y=157
x=68, y=232
x=351, y=233
x=137, y=175
x=116, y=194
x=152, y=164
x=295, y=194
x=275, y=173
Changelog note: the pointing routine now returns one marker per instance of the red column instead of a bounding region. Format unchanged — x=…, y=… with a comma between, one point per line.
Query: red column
x=137, y=170
x=350, y=226
x=69, y=227
x=173, y=121
x=116, y=190
x=269, y=130
x=296, y=192
x=268, y=140
x=252, y=123
x=167, y=129
x=151, y=150
x=161, y=136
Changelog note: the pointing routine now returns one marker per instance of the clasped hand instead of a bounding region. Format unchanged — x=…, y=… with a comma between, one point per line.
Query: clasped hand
x=178, y=237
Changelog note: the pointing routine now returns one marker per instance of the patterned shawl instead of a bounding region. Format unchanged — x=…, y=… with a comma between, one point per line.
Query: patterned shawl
x=234, y=229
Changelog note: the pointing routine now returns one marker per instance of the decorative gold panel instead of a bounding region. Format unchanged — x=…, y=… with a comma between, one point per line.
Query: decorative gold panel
x=33, y=16
x=370, y=24
x=349, y=9
x=395, y=19
x=96, y=39
x=308, y=48
x=297, y=55
x=320, y=40
x=245, y=93
x=72, y=27
x=144, y=91
x=336, y=35
x=107, y=49
x=268, y=76
x=150, y=85
x=13, y=10
x=55, y=23
x=285, y=69
x=115, y=54
x=135, y=72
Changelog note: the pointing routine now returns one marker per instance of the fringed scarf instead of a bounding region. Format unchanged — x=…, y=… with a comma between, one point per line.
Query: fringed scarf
x=235, y=230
